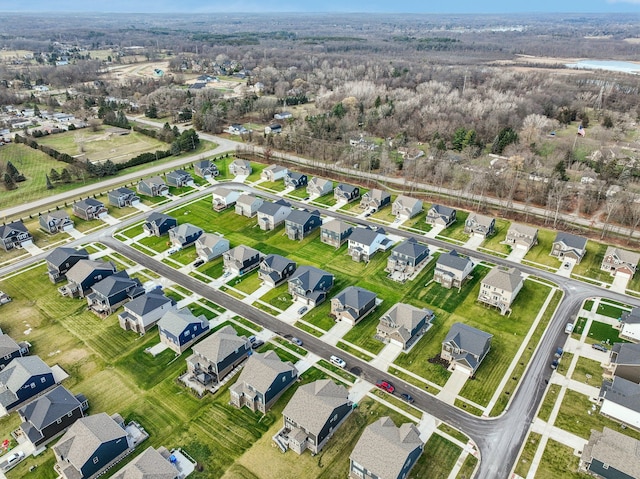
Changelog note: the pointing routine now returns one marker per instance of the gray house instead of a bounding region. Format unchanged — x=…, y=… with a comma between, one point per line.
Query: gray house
x=241, y=259
x=90, y=209
x=55, y=221
x=568, y=246
x=310, y=285
x=248, y=205
x=611, y=455
x=223, y=198
x=319, y=187
x=205, y=169
x=405, y=207
x=112, y=292
x=385, y=451
x=180, y=329
x=275, y=269
x=620, y=400
x=185, y=234
x=264, y=378
x=406, y=259
x=210, y=246
x=352, y=304
x=122, y=197
x=624, y=361
x=154, y=186
x=83, y=275
x=344, y=192
x=439, y=215
x=143, y=312
x=179, y=178
x=403, y=323
x=335, y=232
x=151, y=464
x=500, y=287
x=240, y=167
x=295, y=180
x=452, y=270
x=159, y=224
x=375, y=199
x=479, y=225
x=522, y=236
x=365, y=242
x=273, y=214
x=61, y=260
x=14, y=235
x=300, y=223
x=274, y=173
x=465, y=347
x=620, y=261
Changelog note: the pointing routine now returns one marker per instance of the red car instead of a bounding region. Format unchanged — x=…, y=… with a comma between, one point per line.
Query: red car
x=386, y=386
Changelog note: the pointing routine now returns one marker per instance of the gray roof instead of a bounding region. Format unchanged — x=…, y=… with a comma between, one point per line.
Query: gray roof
x=626, y=353
x=7, y=345
x=57, y=214
x=246, y=199
x=85, y=267
x=295, y=175
x=312, y=404
x=309, y=276
x=115, y=283
x=220, y=344
x=572, y=241
x=632, y=317
x=271, y=208
x=277, y=262
x=175, y=322
x=377, y=194
x=364, y=236
x=320, y=182
x=300, y=217
x=622, y=391
x=481, y=220
x=61, y=254
x=159, y=218
x=523, y=229
x=355, y=297
x=468, y=338
x=210, y=239
x=442, y=210
x=154, y=180
x=84, y=204
x=203, y=164
x=630, y=257
x=346, y=187
x=611, y=447
x=124, y=191
x=148, y=465
x=453, y=260
x=178, y=173
x=185, y=230
x=242, y=252
x=383, y=448
x=503, y=278
x=7, y=230
x=17, y=373
x=243, y=163
x=83, y=438
x=49, y=407
x=222, y=192
x=407, y=201
x=261, y=371
x=337, y=226
x=411, y=248
x=148, y=302
x=275, y=168
x=407, y=316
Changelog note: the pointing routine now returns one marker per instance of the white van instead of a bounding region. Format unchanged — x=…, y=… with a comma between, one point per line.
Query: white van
x=568, y=328
x=338, y=362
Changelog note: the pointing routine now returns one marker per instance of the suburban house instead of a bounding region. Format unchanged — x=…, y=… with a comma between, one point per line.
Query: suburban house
x=624, y=361
x=122, y=197
x=179, y=178
x=112, y=292
x=439, y=215
x=143, y=312
x=50, y=415
x=452, y=270
x=522, y=236
x=91, y=445
x=375, y=199
x=241, y=260
x=620, y=400
x=347, y=193
x=210, y=246
x=295, y=180
x=568, y=246
x=385, y=451
x=180, y=329
x=500, y=287
x=402, y=324
x=300, y=223
x=312, y=416
x=90, y=209
x=151, y=464
x=465, y=347
x=10, y=349
x=83, y=275
x=352, y=304
x=273, y=214
x=273, y=129
x=240, y=167
x=217, y=355
x=14, y=235
x=55, y=221
x=310, y=285
x=335, y=232
x=248, y=205
x=23, y=379
x=283, y=115
x=205, y=169
x=237, y=129
x=274, y=173
x=479, y=225
x=406, y=259
x=158, y=224
x=275, y=269
x=154, y=186
x=184, y=235
x=224, y=198
x=264, y=378
x=61, y=260
x=610, y=455
x=319, y=187
x=405, y=207
x=365, y=242
x=621, y=261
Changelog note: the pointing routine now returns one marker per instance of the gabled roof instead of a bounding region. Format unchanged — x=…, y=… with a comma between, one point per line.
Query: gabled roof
x=89, y=202
x=204, y=164
x=49, y=407
x=7, y=345
x=407, y=201
x=346, y=188
x=148, y=465
x=630, y=257
x=627, y=353
x=220, y=344
x=503, y=278
x=277, y=262
x=123, y=191
x=9, y=229
x=383, y=448
x=618, y=450
x=275, y=168
x=365, y=236
x=468, y=338
x=312, y=404
x=300, y=217
x=337, y=226
x=442, y=210
x=406, y=316
x=571, y=241
x=270, y=208
x=623, y=392
x=246, y=199
x=159, y=218
x=209, y=240
x=632, y=317
x=61, y=254
x=411, y=248
x=320, y=182
x=376, y=194
x=175, y=322
x=148, y=302
x=57, y=215
x=242, y=163
x=114, y=284
x=185, y=230
x=309, y=276
x=523, y=229
x=85, y=267
x=242, y=253
x=17, y=373
x=154, y=180
x=295, y=175
x=453, y=260
x=261, y=370
x=479, y=219
x=355, y=297
x=178, y=173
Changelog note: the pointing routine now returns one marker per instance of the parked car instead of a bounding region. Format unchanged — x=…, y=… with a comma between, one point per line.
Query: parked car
x=302, y=310
x=252, y=339
x=297, y=341
x=14, y=458
x=599, y=347
x=559, y=352
x=257, y=343
x=341, y=363
x=568, y=328
x=198, y=262
x=554, y=364
x=386, y=386
x=407, y=397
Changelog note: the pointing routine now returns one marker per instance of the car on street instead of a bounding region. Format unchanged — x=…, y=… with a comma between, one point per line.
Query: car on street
x=341, y=363
x=568, y=328
x=386, y=386
x=559, y=352
x=302, y=310
x=407, y=397
x=599, y=347
x=554, y=364
x=297, y=341
x=257, y=343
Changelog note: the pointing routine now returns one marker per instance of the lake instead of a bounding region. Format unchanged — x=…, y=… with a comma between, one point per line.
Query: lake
x=611, y=65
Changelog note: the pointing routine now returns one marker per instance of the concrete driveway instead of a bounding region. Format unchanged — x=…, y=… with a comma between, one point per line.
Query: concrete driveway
x=450, y=391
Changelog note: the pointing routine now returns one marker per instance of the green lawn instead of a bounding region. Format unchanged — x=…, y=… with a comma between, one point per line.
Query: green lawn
x=298, y=194
x=319, y=317
x=588, y=371
x=247, y=283
x=540, y=253
x=495, y=242
x=437, y=460
x=456, y=230
x=256, y=171
x=278, y=297
x=418, y=223
x=603, y=333
x=528, y=452
x=549, y=401
x=590, y=264
x=558, y=460
x=156, y=243
x=326, y=200
x=212, y=269
x=272, y=185
x=609, y=310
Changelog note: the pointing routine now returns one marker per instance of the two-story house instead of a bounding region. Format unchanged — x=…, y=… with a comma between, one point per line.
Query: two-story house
x=352, y=304
x=618, y=401
x=365, y=242
x=521, y=236
x=159, y=224
x=610, y=455
x=154, y=186
x=55, y=222
x=210, y=246
x=273, y=214
x=500, y=287
x=274, y=173
x=439, y=215
x=179, y=179
x=620, y=261
x=375, y=199
x=403, y=324
x=223, y=198
x=61, y=260
x=83, y=275
x=630, y=325
x=23, y=379
x=10, y=349
x=465, y=347
x=205, y=169
x=310, y=285
x=179, y=329
x=264, y=378
x=346, y=193
x=406, y=259
x=275, y=269
x=112, y=292
x=335, y=232
x=319, y=187
x=90, y=209
x=14, y=235
x=624, y=361
x=241, y=260
x=405, y=207
x=240, y=167
x=479, y=225
x=452, y=270
x=295, y=180
x=300, y=223
x=143, y=312
x=248, y=205
x=184, y=235
x=151, y=464
x=569, y=247
x=217, y=355
x=122, y=197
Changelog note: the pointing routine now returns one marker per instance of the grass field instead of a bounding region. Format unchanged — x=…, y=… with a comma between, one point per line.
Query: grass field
x=437, y=460
x=603, y=333
x=528, y=452
x=558, y=460
x=609, y=310
x=588, y=371
x=495, y=242
x=540, y=253
x=548, y=402
x=590, y=264
x=456, y=230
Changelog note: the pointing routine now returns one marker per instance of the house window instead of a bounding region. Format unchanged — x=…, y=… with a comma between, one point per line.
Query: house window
x=70, y=414
x=8, y=356
x=58, y=421
x=605, y=466
x=334, y=418
x=95, y=460
x=33, y=385
x=43, y=380
x=284, y=379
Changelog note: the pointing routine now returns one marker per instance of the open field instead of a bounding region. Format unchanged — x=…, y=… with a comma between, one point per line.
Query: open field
x=529, y=450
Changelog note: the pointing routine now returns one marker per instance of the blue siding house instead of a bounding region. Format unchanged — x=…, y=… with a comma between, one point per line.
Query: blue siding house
x=23, y=379
x=180, y=329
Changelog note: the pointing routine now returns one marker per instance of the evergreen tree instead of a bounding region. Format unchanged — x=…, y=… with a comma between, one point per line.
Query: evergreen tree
x=54, y=175
x=8, y=182
x=16, y=176
x=152, y=111
x=504, y=138
x=49, y=185
x=65, y=176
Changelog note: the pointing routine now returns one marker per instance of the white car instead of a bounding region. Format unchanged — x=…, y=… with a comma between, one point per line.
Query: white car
x=14, y=458
x=338, y=361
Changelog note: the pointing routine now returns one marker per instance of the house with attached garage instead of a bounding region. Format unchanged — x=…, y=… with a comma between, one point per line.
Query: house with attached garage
x=50, y=415
x=500, y=287
x=159, y=224
x=319, y=187
x=90, y=209
x=479, y=225
x=439, y=215
x=112, y=292
x=365, y=242
x=10, y=349
x=313, y=415
x=385, y=451
x=619, y=261
x=335, y=232
x=264, y=378
x=61, y=260
x=300, y=223
x=241, y=260
x=55, y=222
x=465, y=347
x=352, y=304
x=630, y=325
x=122, y=197
x=151, y=464
x=179, y=179
x=569, y=247
x=83, y=275
x=610, y=455
x=406, y=259
x=180, y=329
x=184, y=235
x=240, y=167
x=23, y=379
x=206, y=169
x=620, y=400
x=624, y=361
x=403, y=323
x=217, y=355
x=347, y=193
x=521, y=236
x=248, y=205
x=154, y=186
x=210, y=246
x=405, y=207
x=375, y=199
x=274, y=173
x=224, y=198
x=275, y=269
x=14, y=235
x=295, y=180
x=452, y=270
x=310, y=285
x=143, y=312
x=273, y=214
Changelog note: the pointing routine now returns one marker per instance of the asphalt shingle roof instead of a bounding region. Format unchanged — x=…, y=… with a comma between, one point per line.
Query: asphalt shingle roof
x=261, y=370
x=453, y=260
x=623, y=392
x=503, y=278
x=175, y=322
x=61, y=254
x=147, y=302
x=620, y=451
x=148, y=465
x=411, y=248
x=468, y=338
x=365, y=236
x=220, y=344
x=572, y=241
x=50, y=407
x=354, y=297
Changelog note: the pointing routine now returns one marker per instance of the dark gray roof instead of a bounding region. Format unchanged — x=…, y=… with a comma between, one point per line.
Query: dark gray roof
x=270, y=208
x=115, y=283
x=220, y=345
x=300, y=217
x=261, y=370
x=49, y=407
x=364, y=236
x=277, y=262
x=204, y=164
x=411, y=248
x=346, y=187
x=84, y=204
x=572, y=241
x=453, y=260
x=7, y=230
x=148, y=302
x=83, y=268
x=626, y=353
x=148, y=465
x=443, y=210
x=622, y=391
x=178, y=173
x=124, y=191
x=295, y=175
x=355, y=297
x=337, y=226
x=175, y=322
x=632, y=317
x=61, y=254
x=309, y=276
x=185, y=230
x=159, y=218
x=468, y=338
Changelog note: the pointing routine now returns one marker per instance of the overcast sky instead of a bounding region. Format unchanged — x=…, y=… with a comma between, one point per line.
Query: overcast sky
x=373, y=6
